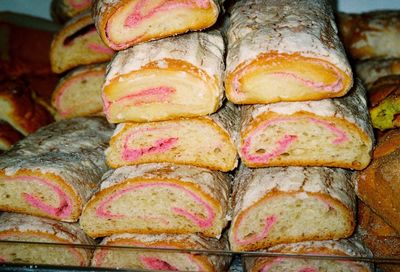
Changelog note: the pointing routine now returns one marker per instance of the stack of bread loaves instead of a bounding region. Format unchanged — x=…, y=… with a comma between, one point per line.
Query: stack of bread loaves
x=286, y=57
x=173, y=140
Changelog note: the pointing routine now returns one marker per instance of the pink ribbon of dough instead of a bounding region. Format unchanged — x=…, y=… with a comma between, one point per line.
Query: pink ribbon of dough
x=269, y=222
x=202, y=223
x=152, y=95
x=99, y=48
x=80, y=4
x=64, y=209
x=156, y=264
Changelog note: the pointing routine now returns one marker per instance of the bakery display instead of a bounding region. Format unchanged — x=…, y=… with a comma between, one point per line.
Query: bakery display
x=53, y=172
x=284, y=51
x=331, y=132
x=384, y=97
x=8, y=136
x=63, y=10
x=18, y=108
x=78, y=93
x=378, y=185
x=162, y=260
x=158, y=198
x=272, y=205
x=371, y=70
x=123, y=23
x=350, y=247
x=26, y=228
x=372, y=34
x=206, y=141
x=78, y=43
x=165, y=79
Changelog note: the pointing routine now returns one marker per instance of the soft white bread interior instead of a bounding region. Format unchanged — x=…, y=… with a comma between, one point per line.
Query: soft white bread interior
x=273, y=205
x=160, y=80
x=201, y=141
x=331, y=132
x=78, y=93
x=284, y=51
x=78, y=43
x=158, y=198
x=172, y=260
x=124, y=23
x=26, y=228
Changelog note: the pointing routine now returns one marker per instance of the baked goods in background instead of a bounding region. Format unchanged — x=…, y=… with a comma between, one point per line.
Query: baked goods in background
x=343, y=247
x=53, y=172
x=371, y=35
x=331, y=132
x=162, y=260
x=284, y=51
x=78, y=93
x=206, y=141
x=63, y=10
x=384, y=98
x=158, y=198
x=378, y=186
x=26, y=228
x=278, y=205
x=123, y=23
x=78, y=43
x=8, y=136
x=19, y=109
x=371, y=70
x=159, y=80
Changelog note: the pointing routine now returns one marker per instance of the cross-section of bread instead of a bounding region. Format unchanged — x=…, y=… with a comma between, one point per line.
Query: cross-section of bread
x=19, y=109
x=346, y=248
x=123, y=23
x=26, y=228
x=53, y=172
x=278, y=205
x=79, y=92
x=63, y=10
x=8, y=136
x=206, y=141
x=165, y=79
x=369, y=35
x=158, y=198
x=331, y=132
x=284, y=51
x=78, y=43
x=172, y=260
x=371, y=70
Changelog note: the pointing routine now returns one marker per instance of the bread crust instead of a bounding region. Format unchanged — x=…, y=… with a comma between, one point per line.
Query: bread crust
x=8, y=136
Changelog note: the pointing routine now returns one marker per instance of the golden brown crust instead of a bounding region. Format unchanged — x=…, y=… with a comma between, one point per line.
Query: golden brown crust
x=384, y=87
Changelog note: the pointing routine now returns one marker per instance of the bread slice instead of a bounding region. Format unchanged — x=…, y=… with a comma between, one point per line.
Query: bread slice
x=278, y=205
x=158, y=198
x=63, y=10
x=78, y=43
x=165, y=79
x=19, y=109
x=78, y=93
x=8, y=136
x=21, y=228
x=53, y=172
x=346, y=248
x=284, y=51
x=201, y=141
x=331, y=132
x=173, y=260
x=123, y=23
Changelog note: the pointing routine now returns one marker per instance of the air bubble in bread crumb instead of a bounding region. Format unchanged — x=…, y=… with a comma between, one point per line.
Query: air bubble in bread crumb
x=162, y=64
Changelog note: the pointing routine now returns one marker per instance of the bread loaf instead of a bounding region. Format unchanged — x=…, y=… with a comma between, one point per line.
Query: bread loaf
x=25, y=228
x=123, y=23
x=158, y=198
x=206, y=141
x=284, y=51
x=53, y=172
x=372, y=69
x=162, y=260
x=174, y=77
x=63, y=10
x=331, y=132
x=78, y=43
x=78, y=93
x=273, y=205
x=8, y=136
